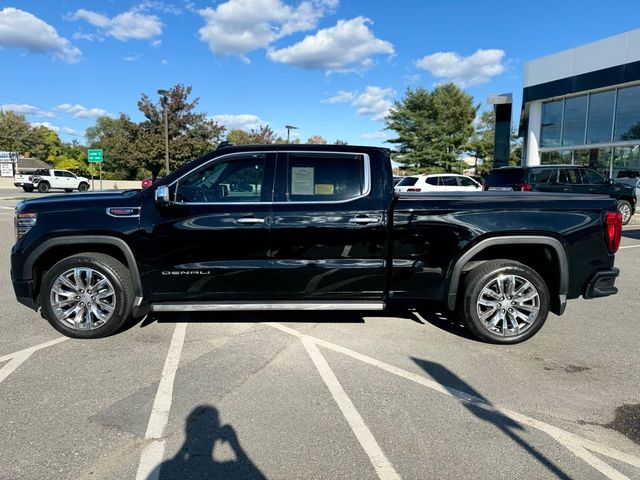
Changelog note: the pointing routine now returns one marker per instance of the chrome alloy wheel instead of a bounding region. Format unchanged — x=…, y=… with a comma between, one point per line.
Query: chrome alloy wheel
x=83, y=298
x=508, y=305
x=625, y=210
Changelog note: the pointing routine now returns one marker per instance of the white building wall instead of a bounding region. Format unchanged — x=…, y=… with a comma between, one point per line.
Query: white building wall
x=532, y=155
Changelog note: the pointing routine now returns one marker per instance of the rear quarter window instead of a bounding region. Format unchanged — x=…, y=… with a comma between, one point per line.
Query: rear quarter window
x=408, y=182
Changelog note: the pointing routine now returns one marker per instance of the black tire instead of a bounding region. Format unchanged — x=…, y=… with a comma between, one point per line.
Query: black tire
x=482, y=276
x=43, y=187
x=68, y=190
x=114, y=271
x=27, y=189
x=625, y=209
x=83, y=187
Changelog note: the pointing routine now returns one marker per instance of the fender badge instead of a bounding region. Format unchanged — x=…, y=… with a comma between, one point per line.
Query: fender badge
x=123, y=212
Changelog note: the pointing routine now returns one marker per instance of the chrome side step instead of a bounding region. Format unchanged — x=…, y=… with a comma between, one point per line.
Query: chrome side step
x=265, y=306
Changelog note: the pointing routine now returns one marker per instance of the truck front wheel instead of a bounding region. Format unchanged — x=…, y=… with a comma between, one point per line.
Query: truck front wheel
x=504, y=302
x=88, y=295
x=83, y=187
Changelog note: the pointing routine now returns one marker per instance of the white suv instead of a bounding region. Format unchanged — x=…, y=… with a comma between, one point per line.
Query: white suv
x=441, y=182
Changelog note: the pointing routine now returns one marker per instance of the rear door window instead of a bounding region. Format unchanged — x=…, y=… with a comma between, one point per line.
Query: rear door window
x=570, y=176
x=325, y=177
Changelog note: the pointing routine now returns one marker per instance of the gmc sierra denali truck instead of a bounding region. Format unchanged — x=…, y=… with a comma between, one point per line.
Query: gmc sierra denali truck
x=309, y=227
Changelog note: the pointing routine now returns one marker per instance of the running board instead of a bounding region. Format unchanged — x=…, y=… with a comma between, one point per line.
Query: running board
x=264, y=306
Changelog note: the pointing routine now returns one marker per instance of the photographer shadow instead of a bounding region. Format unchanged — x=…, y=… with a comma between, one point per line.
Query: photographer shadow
x=195, y=459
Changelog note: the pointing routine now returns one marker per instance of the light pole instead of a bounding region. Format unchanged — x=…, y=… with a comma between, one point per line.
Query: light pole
x=289, y=128
x=163, y=101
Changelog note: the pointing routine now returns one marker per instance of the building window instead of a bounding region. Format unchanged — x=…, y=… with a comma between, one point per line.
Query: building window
x=626, y=162
x=574, y=120
x=551, y=124
x=600, y=123
x=628, y=114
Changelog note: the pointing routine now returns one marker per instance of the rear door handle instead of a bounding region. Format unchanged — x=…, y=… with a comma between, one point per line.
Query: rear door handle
x=362, y=220
x=250, y=220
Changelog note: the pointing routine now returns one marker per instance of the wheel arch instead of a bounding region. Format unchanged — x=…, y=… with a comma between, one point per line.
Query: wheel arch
x=83, y=243
x=555, y=245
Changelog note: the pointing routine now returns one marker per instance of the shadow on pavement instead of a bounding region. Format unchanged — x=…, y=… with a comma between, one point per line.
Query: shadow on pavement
x=510, y=428
x=635, y=233
x=196, y=457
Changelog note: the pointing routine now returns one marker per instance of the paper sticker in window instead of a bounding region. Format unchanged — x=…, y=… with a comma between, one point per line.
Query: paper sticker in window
x=301, y=180
x=324, y=189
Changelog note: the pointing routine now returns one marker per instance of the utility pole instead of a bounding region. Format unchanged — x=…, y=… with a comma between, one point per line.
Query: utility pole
x=163, y=100
x=289, y=128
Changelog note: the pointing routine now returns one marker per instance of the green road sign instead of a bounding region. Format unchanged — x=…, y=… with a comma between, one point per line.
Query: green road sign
x=95, y=155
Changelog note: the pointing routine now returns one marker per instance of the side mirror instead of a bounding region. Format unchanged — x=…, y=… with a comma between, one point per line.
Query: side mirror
x=609, y=181
x=162, y=195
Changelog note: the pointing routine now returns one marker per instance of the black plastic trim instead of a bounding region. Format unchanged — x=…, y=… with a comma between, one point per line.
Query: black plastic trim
x=601, y=284
x=511, y=240
x=86, y=239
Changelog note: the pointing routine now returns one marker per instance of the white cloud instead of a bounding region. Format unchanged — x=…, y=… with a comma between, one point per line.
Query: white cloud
x=381, y=135
x=46, y=124
x=467, y=71
x=342, y=96
x=70, y=131
x=243, y=121
x=346, y=46
x=133, y=57
x=26, y=109
x=80, y=111
x=374, y=102
x=133, y=24
x=237, y=27
x=20, y=29
x=164, y=61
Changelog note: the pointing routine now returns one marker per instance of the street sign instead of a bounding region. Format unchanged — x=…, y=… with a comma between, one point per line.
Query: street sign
x=95, y=155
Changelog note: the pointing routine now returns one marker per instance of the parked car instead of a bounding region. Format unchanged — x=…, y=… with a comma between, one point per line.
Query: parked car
x=147, y=182
x=24, y=181
x=47, y=179
x=323, y=231
x=563, y=179
x=443, y=182
x=397, y=179
x=628, y=177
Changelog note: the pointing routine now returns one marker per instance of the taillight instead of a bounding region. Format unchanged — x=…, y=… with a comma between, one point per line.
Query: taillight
x=414, y=189
x=23, y=223
x=613, y=226
x=526, y=187
x=30, y=178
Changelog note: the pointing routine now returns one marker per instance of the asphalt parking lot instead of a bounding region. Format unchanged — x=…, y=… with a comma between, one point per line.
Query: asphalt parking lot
x=322, y=396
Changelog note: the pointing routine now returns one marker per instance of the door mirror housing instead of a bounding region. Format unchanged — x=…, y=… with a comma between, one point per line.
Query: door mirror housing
x=609, y=181
x=162, y=195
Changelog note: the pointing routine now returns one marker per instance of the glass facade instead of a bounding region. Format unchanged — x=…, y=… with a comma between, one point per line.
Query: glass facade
x=600, y=130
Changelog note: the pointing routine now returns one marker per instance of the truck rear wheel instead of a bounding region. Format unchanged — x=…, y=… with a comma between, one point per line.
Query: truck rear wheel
x=43, y=187
x=624, y=208
x=504, y=302
x=88, y=295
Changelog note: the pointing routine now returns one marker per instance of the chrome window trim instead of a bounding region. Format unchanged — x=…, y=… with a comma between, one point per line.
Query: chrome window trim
x=366, y=180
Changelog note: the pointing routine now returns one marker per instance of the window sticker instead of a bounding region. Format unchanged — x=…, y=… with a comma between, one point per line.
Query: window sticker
x=301, y=180
x=324, y=189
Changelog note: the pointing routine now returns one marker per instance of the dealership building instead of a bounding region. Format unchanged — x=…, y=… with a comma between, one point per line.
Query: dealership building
x=582, y=106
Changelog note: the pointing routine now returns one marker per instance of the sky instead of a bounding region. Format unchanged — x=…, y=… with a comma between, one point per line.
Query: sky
x=330, y=67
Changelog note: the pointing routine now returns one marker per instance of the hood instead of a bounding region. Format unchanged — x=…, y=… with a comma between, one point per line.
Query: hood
x=113, y=198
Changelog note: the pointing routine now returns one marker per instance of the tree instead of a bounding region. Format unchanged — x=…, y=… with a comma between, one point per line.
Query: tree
x=341, y=142
x=480, y=145
x=433, y=127
x=191, y=134
x=316, y=140
x=46, y=144
x=117, y=137
x=16, y=133
x=263, y=136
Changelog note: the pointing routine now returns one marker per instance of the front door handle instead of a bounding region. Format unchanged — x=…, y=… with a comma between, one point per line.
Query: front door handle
x=250, y=220
x=362, y=220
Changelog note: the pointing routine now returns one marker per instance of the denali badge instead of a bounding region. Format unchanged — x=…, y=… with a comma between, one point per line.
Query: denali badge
x=186, y=272
x=123, y=212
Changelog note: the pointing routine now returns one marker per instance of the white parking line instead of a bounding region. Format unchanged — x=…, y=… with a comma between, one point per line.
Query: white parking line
x=383, y=467
x=574, y=443
x=153, y=452
x=629, y=246
x=18, y=358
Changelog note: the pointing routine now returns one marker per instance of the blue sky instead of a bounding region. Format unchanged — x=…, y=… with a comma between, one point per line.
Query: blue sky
x=331, y=67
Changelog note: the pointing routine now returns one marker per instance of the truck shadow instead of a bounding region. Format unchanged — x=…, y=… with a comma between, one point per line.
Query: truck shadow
x=484, y=410
x=635, y=233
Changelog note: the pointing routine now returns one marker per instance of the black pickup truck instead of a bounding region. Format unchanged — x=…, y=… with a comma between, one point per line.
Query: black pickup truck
x=309, y=227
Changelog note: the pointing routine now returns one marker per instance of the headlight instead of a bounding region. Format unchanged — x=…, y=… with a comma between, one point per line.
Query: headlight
x=23, y=223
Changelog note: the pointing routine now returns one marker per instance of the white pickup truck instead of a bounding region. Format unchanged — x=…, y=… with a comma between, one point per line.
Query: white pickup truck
x=46, y=179
x=24, y=180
